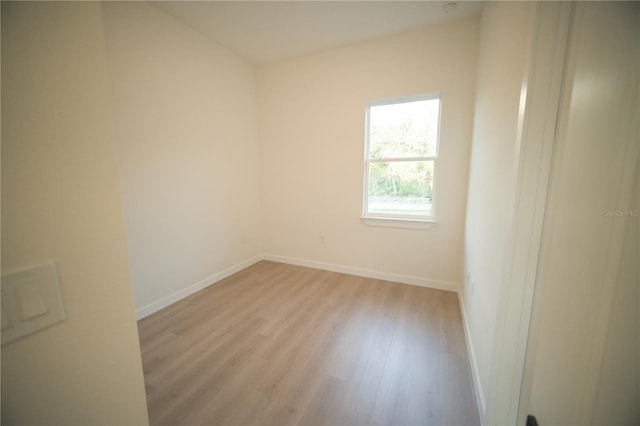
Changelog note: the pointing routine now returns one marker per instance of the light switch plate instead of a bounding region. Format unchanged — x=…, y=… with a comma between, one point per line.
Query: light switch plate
x=5, y=317
x=31, y=301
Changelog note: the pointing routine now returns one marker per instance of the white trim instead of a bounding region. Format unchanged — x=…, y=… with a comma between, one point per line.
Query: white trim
x=213, y=279
x=536, y=137
x=193, y=288
x=367, y=273
x=473, y=364
x=406, y=99
x=367, y=161
x=394, y=222
x=401, y=159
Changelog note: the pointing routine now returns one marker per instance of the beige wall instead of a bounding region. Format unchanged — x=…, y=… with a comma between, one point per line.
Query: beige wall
x=583, y=359
x=185, y=117
x=504, y=38
x=312, y=112
x=61, y=202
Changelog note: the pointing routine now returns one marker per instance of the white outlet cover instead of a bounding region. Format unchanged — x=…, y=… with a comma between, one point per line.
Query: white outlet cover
x=31, y=301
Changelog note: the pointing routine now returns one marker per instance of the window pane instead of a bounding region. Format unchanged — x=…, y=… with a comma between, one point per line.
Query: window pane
x=401, y=187
x=403, y=130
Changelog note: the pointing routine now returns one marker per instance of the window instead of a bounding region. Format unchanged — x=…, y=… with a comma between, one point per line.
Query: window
x=401, y=151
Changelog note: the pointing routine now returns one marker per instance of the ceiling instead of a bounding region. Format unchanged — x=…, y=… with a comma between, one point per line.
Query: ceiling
x=268, y=31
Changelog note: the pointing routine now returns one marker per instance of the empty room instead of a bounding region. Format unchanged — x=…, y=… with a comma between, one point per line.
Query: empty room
x=320, y=212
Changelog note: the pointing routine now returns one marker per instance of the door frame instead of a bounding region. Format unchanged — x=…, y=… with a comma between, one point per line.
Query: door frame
x=536, y=136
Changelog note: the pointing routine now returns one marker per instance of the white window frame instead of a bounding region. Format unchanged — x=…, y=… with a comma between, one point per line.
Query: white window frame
x=400, y=220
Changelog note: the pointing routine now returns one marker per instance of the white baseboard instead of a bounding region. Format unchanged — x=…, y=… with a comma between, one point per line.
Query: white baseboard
x=475, y=374
x=404, y=279
x=188, y=291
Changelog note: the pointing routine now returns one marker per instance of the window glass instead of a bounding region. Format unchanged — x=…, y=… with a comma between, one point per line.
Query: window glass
x=401, y=155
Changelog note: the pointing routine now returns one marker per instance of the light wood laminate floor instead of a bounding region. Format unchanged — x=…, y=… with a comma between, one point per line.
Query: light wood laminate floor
x=278, y=344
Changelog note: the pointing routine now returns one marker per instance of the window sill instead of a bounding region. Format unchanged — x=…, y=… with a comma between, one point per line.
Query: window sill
x=399, y=223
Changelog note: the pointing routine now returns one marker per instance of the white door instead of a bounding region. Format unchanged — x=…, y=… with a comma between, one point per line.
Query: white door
x=583, y=359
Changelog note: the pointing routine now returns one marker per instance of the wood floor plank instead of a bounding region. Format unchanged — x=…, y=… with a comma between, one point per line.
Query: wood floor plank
x=279, y=345
x=424, y=405
x=391, y=402
x=326, y=402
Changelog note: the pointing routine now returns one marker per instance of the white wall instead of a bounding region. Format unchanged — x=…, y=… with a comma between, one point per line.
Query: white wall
x=61, y=202
x=185, y=114
x=583, y=359
x=312, y=112
x=504, y=37
x=617, y=398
